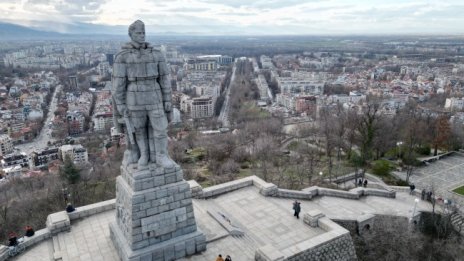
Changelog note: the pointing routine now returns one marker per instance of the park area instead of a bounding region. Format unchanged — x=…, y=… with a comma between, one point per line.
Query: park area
x=459, y=190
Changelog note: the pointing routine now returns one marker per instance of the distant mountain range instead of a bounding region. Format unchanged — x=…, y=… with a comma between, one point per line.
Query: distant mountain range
x=41, y=30
x=47, y=30
x=12, y=31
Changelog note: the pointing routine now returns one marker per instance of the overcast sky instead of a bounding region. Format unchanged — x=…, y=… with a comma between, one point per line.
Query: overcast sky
x=249, y=16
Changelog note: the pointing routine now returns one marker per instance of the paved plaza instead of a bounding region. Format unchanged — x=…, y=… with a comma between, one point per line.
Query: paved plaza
x=265, y=220
x=444, y=175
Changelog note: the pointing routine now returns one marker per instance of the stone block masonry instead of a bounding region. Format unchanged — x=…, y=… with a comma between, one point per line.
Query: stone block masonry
x=154, y=215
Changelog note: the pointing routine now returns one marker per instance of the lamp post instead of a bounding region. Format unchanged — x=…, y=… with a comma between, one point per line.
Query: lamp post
x=414, y=209
x=398, y=144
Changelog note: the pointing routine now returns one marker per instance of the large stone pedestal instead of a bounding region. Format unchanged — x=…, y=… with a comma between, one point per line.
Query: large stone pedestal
x=154, y=215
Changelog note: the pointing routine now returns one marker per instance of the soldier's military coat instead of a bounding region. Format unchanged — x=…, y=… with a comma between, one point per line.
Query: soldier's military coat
x=141, y=79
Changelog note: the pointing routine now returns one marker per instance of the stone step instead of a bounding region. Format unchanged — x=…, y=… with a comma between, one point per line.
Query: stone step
x=246, y=246
x=458, y=222
x=455, y=216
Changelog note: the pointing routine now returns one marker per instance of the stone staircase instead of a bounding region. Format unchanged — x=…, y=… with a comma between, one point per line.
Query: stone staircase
x=247, y=243
x=457, y=220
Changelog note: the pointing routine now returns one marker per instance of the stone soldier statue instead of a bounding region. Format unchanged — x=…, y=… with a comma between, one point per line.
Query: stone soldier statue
x=142, y=99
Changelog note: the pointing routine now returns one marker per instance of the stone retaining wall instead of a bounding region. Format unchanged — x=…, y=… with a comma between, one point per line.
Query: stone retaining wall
x=265, y=188
x=92, y=209
x=270, y=189
x=287, y=193
x=350, y=224
x=226, y=187
x=340, y=248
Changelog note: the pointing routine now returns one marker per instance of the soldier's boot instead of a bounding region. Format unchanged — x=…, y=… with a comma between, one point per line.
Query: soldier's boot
x=162, y=157
x=143, y=147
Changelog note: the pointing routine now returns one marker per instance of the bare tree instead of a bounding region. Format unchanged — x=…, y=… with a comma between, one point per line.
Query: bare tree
x=441, y=134
x=412, y=134
x=326, y=128
x=366, y=130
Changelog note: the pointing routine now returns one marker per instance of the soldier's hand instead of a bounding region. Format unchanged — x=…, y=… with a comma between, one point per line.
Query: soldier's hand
x=167, y=107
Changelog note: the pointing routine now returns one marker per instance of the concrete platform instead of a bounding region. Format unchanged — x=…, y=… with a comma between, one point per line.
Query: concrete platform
x=264, y=221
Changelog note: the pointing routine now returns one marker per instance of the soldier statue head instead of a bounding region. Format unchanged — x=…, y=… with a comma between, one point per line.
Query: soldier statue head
x=137, y=32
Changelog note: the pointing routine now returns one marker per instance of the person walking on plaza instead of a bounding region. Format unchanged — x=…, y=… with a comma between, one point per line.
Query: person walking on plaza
x=365, y=183
x=219, y=258
x=297, y=209
x=429, y=196
x=228, y=258
x=423, y=194
x=412, y=187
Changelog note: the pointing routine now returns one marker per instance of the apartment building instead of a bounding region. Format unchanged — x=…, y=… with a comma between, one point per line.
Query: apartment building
x=6, y=145
x=77, y=153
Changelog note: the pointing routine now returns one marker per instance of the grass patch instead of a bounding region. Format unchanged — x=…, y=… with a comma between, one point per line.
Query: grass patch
x=459, y=190
x=392, y=180
x=244, y=173
x=254, y=111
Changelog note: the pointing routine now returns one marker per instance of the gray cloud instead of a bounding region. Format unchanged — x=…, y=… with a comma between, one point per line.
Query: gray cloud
x=76, y=10
x=43, y=2
x=251, y=16
x=268, y=4
x=187, y=9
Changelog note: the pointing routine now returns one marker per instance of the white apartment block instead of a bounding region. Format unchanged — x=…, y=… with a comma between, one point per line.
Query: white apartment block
x=101, y=121
x=202, y=107
x=220, y=59
x=286, y=100
x=77, y=153
x=340, y=98
x=16, y=126
x=454, y=104
x=264, y=91
x=266, y=62
x=205, y=66
x=299, y=86
x=6, y=145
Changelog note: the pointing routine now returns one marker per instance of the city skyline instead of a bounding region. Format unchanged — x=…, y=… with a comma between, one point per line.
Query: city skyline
x=277, y=17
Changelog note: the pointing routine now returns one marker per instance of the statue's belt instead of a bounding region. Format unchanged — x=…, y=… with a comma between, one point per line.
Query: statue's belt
x=140, y=79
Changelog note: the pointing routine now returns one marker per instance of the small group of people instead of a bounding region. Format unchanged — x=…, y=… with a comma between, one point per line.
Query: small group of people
x=427, y=195
x=13, y=237
x=220, y=258
x=296, y=209
x=362, y=183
